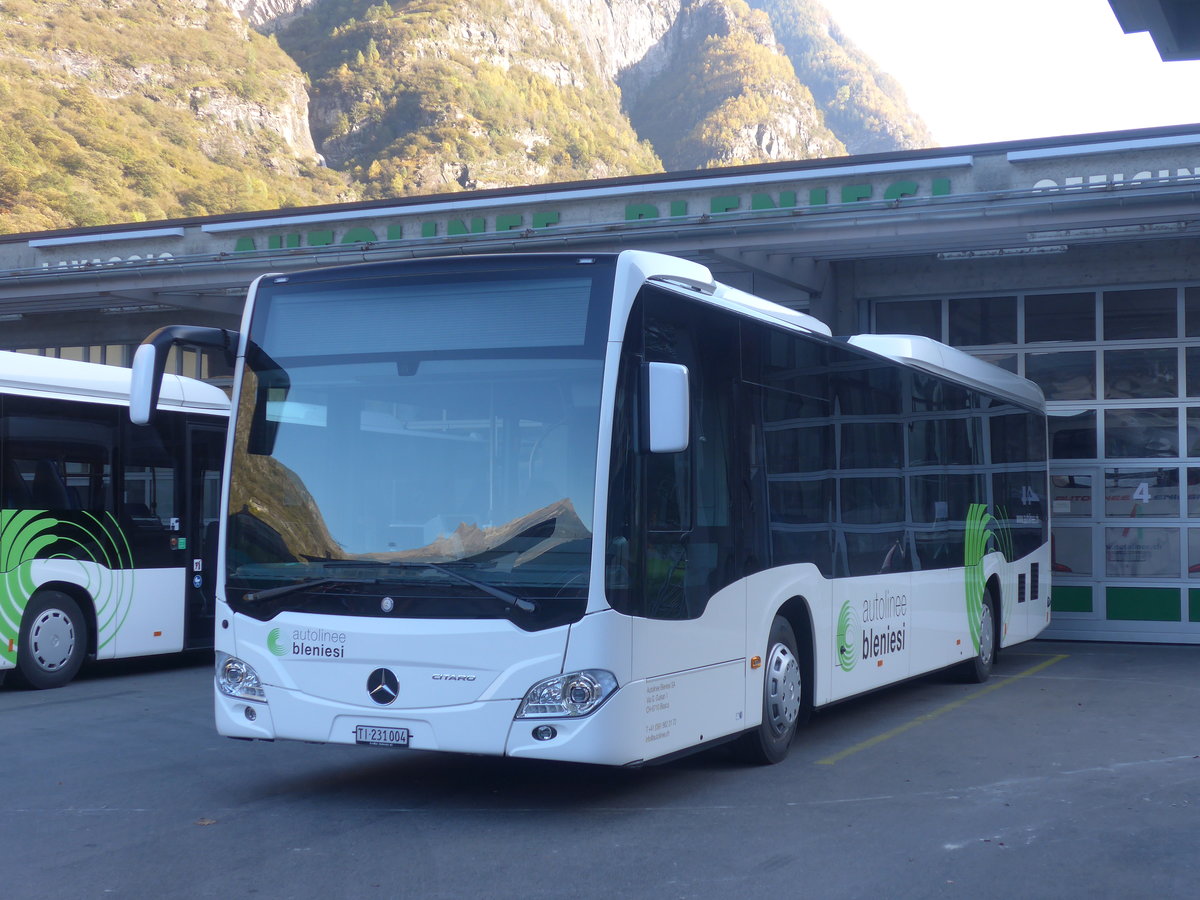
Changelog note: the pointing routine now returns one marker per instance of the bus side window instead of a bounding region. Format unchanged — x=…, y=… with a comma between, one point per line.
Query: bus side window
x=149, y=474
x=690, y=540
x=58, y=455
x=666, y=485
x=668, y=492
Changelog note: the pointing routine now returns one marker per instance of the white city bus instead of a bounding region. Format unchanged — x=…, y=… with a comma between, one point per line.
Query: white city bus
x=103, y=523
x=601, y=509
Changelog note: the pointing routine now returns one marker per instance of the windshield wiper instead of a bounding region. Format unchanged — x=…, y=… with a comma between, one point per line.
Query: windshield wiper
x=284, y=589
x=507, y=597
x=329, y=562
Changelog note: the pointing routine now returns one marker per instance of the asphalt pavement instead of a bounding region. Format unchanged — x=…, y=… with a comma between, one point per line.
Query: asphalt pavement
x=1074, y=772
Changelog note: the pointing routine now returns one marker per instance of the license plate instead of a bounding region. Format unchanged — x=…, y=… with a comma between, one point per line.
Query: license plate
x=378, y=736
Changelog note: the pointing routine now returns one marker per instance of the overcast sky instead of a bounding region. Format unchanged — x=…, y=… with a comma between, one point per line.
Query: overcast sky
x=979, y=72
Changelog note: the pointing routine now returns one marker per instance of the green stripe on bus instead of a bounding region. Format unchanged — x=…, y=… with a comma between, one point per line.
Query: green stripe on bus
x=1194, y=604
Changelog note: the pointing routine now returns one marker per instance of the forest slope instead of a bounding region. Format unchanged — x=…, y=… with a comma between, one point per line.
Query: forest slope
x=134, y=110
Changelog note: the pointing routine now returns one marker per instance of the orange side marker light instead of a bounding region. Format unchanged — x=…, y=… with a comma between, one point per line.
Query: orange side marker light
x=756, y=662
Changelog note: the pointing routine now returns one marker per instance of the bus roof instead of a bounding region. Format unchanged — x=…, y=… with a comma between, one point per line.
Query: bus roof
x=910, y=350
x=44, y=376
x=946, y=362
x=634, y=267
x=692, y=276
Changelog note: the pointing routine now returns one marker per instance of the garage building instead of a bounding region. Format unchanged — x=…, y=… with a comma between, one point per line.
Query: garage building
x=1074, y=261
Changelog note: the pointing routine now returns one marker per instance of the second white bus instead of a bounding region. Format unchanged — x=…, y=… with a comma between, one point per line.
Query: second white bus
x=107, y=529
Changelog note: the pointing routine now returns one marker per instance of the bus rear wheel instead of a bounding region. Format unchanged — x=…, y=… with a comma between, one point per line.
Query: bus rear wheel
x=785, y=700
x=979, y=669
x=53, y=641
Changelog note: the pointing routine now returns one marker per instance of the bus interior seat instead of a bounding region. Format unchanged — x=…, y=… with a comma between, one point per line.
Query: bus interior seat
x=49, y=491
x=15, y=490
x=142, y=516
x=895, y=560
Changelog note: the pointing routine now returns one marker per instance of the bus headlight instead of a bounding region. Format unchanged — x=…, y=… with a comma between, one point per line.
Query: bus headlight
x=568, y=696
x=237, y=678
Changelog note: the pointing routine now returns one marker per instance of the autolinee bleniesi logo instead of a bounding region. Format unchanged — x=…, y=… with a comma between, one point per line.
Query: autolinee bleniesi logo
x=274, y=644
x=879, y=629
x=847, y=637
x=308, y=642
x=884, y=625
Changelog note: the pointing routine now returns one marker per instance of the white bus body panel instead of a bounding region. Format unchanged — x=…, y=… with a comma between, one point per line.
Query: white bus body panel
x=154, y=622
x=642, y=721
x=927, y=608
x=692, y=674
x=138, y=612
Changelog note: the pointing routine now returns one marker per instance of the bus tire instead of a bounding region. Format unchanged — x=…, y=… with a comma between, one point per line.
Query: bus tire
x=979, y=669
x=785, y=700
x=53, y=641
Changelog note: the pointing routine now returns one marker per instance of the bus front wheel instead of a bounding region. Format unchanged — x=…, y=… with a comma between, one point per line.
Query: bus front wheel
x=53, y=641
x=785, y=702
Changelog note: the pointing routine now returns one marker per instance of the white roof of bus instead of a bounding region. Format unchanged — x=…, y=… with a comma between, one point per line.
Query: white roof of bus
x=693, y=276
x=43, y=376
x=907, y=349
x=938, y=359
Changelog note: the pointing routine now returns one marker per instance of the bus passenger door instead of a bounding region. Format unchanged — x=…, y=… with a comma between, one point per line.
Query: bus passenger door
x=205, y=457
x=689, y=640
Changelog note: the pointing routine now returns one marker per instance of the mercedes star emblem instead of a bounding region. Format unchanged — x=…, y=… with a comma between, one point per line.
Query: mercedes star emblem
x=383, y=686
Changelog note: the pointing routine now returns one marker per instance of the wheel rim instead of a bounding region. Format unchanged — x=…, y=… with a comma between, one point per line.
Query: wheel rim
x=52, y=640
x=783, y=690
x=987, y=635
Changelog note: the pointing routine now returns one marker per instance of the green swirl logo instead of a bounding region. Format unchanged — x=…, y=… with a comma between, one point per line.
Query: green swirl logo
x=96, y=543
x=275, y=645
x=980, y=527
x=847, y=637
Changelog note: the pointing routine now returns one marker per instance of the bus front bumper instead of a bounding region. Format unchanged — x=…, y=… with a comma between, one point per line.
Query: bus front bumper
x=609, y=736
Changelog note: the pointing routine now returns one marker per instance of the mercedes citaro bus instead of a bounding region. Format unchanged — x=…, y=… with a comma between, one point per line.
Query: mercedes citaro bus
x=600, y=508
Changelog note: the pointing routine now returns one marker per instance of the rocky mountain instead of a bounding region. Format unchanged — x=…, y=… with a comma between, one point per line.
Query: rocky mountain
x=862, y=105
x=716, y=90
x=268, y=15
x=439, y=95
x=130, y=110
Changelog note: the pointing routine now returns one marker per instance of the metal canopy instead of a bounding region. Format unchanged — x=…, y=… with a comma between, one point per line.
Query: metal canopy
x=1174, y=25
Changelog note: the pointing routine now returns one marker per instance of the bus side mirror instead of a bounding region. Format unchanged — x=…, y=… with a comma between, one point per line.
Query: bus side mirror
x=150, y=361
x=667, y=422
x=148, y=365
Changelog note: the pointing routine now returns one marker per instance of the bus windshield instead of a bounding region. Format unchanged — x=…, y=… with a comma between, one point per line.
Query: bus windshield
x=419, y=447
